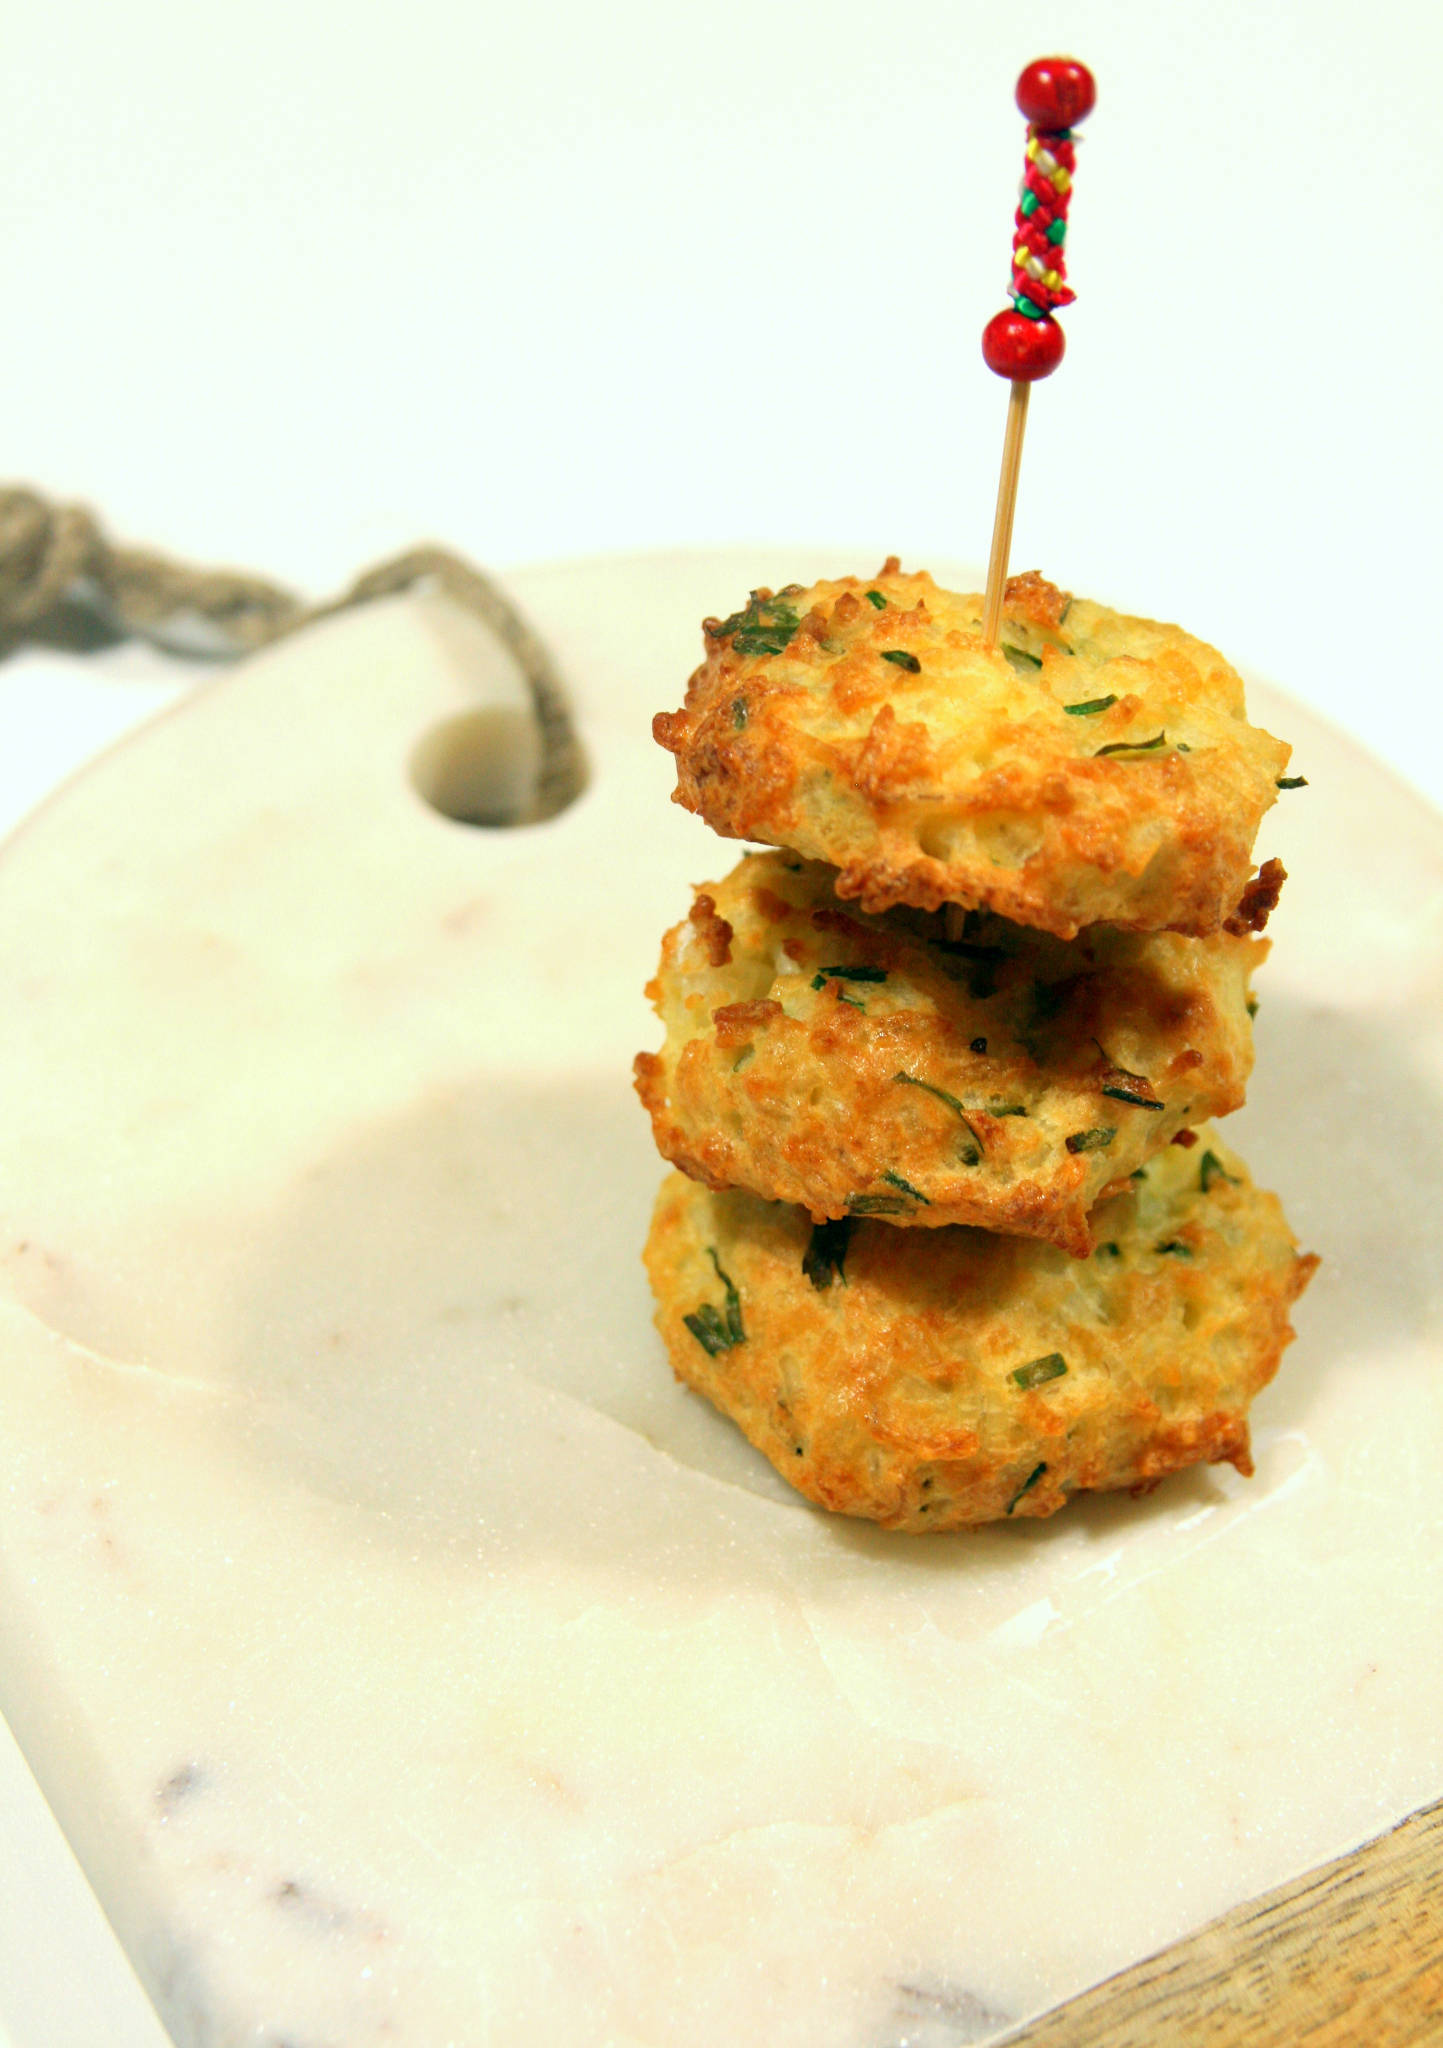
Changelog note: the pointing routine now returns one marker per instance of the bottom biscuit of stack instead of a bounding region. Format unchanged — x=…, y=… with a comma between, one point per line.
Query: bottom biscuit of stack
x=939, y=1379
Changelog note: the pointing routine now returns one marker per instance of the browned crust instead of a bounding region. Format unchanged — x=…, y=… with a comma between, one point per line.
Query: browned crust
x=887, y=1391
x=1259, y=900
x=960, y=1079
x=1031, y=597
x=714, y=931
x=968, y=783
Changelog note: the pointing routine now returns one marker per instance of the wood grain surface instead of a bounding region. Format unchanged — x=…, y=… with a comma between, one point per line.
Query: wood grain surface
x=1349, y=1956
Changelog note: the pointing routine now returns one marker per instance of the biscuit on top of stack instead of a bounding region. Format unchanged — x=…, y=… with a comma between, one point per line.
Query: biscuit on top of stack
x=947, y=1242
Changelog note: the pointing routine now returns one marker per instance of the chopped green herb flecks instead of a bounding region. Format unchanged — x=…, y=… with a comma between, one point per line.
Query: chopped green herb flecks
x=877, y=1205
x=765, y=627
x=1178, y=1249
x=1021, y=660
x=971, y=1154
x=826, y=1253
x=1089, y=709
x=875, y=597
x=900, y=658
x=851, y=1001
x=1113, y=1251
x=1027, y=1485
x=747, y=1052
x=1211, y=1168
x=1040, y=1370
x=1125, y=1091
x=739, y=714
x=1252, y=1006
x=714, y=1329
x=1006, y=1109
x=1091, y=1141
x=1291, y=782
x=826, y=974
x=906, y=1187
x=734, y=1300
x=1138, y=1173
x=1151, y=746
x=709, y=1330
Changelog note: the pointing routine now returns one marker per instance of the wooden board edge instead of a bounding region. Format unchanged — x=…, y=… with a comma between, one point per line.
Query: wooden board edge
x=1351, y=1952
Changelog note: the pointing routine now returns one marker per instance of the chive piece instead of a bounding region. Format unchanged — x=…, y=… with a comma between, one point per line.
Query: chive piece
x=979, y=1045
x=1176, y=1246
x=826, y=1253
x=714, y=1331
x=877, y=1205
x=1040, y=1370
x=1092, y=706
x=827, y=974
x=709, y=1330
x=1091, y=1141
x=1062, y=616
x=851, y=1001
x=900, y=658
x=765, y=627
x=739, y=714
x=1252, y=1006
x=875, y=597
x=906, y=1187
x=1211, y=1168
x=1027, y=1485
x=972, y=1154
x=735, y=1332
x=1151, y=746
x=1124, y=1094
x=1292, y=782
x=742, y=1057
x=1138, y=1173
x=1114, y=1251
x=1006, y=1109
x=1021, y=660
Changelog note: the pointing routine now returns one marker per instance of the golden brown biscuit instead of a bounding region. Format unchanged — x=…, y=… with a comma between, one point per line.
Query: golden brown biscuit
x=873, y=1066
x=938, y=1379
x=1089, y=768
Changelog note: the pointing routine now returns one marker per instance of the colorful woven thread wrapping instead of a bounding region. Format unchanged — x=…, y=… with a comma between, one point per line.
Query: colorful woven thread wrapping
x=1039, y=263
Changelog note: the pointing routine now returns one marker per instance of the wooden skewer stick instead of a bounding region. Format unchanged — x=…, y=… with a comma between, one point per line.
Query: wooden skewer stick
x=1006, y=507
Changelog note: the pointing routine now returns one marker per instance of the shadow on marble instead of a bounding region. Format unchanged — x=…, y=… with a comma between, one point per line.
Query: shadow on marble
x=491, y=1239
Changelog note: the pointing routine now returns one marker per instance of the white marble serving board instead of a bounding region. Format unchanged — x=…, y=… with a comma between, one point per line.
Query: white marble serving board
x=406, y=1657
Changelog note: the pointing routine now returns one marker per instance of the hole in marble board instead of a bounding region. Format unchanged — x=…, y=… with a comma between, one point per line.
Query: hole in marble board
x=483, y=768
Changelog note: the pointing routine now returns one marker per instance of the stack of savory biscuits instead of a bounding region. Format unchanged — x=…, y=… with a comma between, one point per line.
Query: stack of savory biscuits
x=947, y=1242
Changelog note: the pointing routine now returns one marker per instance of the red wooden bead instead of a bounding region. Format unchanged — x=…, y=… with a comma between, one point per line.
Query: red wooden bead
x=1024, y=349
x=1056, y=92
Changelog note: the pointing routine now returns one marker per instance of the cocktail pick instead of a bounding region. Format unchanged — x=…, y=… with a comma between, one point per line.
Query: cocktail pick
x=1024, y=342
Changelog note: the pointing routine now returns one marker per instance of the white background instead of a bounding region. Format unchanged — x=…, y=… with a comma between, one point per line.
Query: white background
x=294, y=286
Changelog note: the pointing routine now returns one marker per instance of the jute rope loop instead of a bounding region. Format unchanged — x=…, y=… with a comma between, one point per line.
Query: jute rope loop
x=61, y=577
